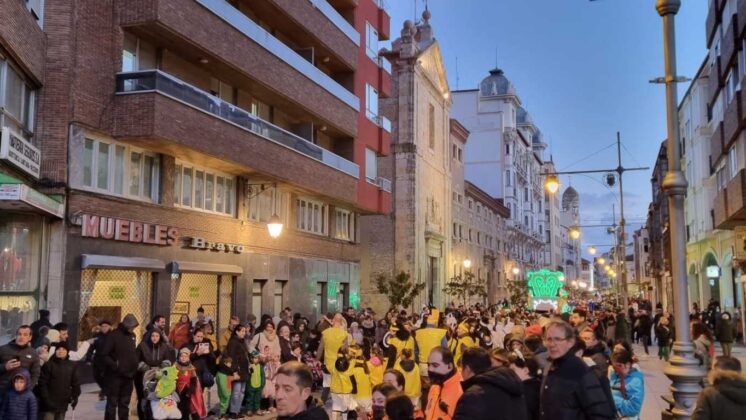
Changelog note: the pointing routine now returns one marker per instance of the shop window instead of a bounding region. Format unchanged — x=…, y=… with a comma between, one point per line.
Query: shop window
x=17, y=101
x=256, y=298
x=117, y=169
x=204, y=189
x=191, y=291
x=279, y=296
x=345, y=225
x=112, y=294
x=20, y=258
x=311, y=216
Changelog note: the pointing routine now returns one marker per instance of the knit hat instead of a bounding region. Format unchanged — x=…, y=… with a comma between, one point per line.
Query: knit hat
x=185, y=350
x=62, y=345
x=534, y=330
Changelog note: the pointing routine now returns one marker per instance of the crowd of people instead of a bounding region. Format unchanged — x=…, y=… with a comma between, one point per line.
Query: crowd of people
x=460, y=363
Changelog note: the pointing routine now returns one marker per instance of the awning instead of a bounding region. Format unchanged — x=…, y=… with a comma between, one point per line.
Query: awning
x=127, y=263
x=200, y=267
x=15, y=195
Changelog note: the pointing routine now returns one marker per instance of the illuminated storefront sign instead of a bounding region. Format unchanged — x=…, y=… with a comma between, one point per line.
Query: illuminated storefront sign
x=128, y=230
x=544, y=288
x=202, y=243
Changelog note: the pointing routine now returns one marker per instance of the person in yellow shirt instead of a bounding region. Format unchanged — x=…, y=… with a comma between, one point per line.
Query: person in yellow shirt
x=376, y=365
x=362, y=389
x=332, y=339
x=411, y=371
x=428, y=338
x=463, y=341
x=402, y=339
x=341, y=386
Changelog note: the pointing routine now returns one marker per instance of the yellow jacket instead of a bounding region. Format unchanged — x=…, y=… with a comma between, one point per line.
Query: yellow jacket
x=332, y=339
x=412, y=380
x=362, y=382
x=461, y=344
x=341, y=382
x=401, y=345
x=376, y=372
x=427, y=339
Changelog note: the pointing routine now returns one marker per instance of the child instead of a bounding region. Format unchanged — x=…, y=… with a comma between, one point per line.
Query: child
x=191, y=403
x=297, y=350
x=59, y=384
x=271, y=365
x=341, y=386
x=254, y=386
x=376, y=366
x=663, y=335
x=411, y=372
x=226, y=374
x=19, y=403
x=362, y=387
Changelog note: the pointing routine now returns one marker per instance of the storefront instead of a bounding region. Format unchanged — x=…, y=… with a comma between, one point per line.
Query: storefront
x=122, y=266
x=26, y=220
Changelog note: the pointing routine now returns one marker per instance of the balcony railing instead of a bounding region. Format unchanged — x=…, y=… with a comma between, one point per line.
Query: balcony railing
x=385, y=64
x=384, y=184
x=176, y=89
x=337, y=19
x=256, y=33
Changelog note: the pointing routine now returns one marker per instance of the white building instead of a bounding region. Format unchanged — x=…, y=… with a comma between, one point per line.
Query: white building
x=552, y=226
x=504, y=158
x=570, y=219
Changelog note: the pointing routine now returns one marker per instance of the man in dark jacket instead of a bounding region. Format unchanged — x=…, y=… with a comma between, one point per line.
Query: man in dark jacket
x=18, y=354
x=120, y=359
x=293, y=383
x=644, y=326
x=570, y=389
x=43, y=321
x=59, y=384
x=489, y=393
x=726, y=398
x=99, y=367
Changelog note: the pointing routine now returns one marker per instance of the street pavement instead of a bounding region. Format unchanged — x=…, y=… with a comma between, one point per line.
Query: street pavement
x=656, y=386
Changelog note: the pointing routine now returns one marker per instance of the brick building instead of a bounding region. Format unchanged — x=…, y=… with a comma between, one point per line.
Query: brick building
x=178, y=129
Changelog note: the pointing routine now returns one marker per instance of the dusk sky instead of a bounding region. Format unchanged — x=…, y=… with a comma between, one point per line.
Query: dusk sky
x=581, y=69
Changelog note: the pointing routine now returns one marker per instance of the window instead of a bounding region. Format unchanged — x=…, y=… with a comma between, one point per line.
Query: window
x=460, y=154
x=455, y=229
x=17, y=101
x=507, y=178
x=507, y=149
x=36, y=7
x=732, y=161
x=460, y=231
x=262, y=205
x=256, y=298
x=431, y=126
x=117, y=169
x=371, y=41
x=729, y=87
x=345, y=225
x=471, y=238
x=371, y=103
x=311, y=216
x=204, y=189
x=279, y=296
x=137, y=54
x=471, y=203
x=371, y=165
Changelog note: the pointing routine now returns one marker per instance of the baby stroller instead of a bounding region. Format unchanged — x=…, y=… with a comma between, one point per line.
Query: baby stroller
x=163, y=400
x=316, y=370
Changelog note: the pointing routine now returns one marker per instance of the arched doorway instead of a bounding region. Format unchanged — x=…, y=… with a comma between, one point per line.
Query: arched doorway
x=711, y=274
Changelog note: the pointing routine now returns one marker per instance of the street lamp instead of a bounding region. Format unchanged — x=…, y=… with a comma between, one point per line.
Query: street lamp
x=592, y=250
x=516, y=271
x=552, y=184
x=683, y=369
x=575, y=233
x=274, y=226
x=467, y=263
x=601, y=260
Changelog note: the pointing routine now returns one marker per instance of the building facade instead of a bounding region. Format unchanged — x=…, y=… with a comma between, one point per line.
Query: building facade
x=570, y=219
x=552, y=225
x=659, y=259
x=179, y=129
x=479, y=226
x=415, y=238
x=504, y=157
x=641, y=249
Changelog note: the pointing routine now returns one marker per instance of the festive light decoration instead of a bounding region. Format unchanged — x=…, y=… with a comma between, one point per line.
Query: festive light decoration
x=544, y=287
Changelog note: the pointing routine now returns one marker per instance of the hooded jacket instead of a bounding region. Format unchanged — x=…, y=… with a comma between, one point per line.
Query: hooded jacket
x=629, y=405
x=571, y=390
x=494, y=394
x=153, y=355
x=59, y=385
x=19, y=405
x=119, y=352
x=725, y=399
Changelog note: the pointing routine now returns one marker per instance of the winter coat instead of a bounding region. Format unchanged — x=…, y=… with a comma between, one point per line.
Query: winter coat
x=19, y=405
x=119, y=352
x=663, y=335
x=153, y=355
x=96, y=348
x=236, y=350
x=29, y=361
x=725, y=399
x=629, y=405
x=286, y=354
x=621, y=332
x=644, y=325
x=702, y=351
x=313, y=413
x=725, y=331
x=204, y=362
x=179, y=334
x=532, y=395
x=59, y=385
x=494, y=394
x=572, y=390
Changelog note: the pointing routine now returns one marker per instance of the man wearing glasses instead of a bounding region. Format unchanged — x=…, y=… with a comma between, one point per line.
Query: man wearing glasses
x=570, y=389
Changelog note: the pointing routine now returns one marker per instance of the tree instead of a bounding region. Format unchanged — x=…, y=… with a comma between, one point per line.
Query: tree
x=467, y=286
x=400, y=290
x=518, y=293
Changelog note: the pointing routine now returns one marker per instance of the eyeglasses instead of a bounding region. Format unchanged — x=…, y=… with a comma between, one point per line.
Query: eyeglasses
x=552, y=340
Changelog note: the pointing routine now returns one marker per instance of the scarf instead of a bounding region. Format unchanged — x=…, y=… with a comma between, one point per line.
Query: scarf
x=622, y=387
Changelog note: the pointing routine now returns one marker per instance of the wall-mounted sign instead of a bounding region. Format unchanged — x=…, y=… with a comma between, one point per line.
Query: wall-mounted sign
x=202, y=243
x=128, y=230
x=20, y=153
x=712, y=271
x=116, y=292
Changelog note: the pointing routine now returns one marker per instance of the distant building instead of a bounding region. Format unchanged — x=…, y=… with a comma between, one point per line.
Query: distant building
x=659, y=259
x=570, y=219
x=553, y=231
x=641, y=248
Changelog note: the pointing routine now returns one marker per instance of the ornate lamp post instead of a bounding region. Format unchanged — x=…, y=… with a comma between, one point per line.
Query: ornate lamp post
x=683, y=369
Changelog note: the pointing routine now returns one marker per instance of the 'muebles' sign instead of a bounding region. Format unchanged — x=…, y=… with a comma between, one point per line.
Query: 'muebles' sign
x=128, y=230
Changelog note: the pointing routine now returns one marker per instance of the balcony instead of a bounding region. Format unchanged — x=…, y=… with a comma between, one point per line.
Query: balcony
x=716, y=143
x=384, y=21
x=730, y=203
x=732, y=120
x=331, y=13
x=728, y=46
x=237, y=46
x=154, y=104
x=384, y=77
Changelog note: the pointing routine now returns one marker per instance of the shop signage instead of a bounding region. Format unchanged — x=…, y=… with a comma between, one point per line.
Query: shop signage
x=20, y=153
x=128, y=230
x=116, y=292
x=202, y=243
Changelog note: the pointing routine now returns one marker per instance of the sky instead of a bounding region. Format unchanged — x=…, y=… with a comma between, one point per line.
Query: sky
x=581, y=69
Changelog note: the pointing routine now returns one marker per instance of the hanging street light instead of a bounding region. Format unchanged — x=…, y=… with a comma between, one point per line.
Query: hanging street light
x=592, y=250
x=575, y=233
x=552, y=184
x=274, y=226
x=601, y=260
